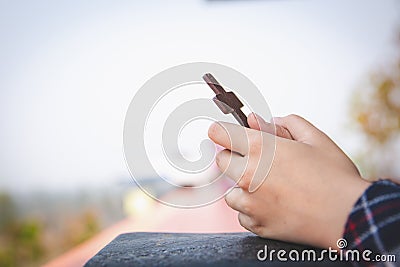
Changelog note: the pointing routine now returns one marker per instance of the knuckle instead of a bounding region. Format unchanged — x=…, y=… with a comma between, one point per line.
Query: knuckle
x=256, y=144
x=244, y=182
x=279, y=131
x=255, y=139
x=251, y=224
x=294, y=117
x=220, y=160
x=232, y=197
x=242, y=221
x=246, y=207
x=229, y=200
x=246, y=177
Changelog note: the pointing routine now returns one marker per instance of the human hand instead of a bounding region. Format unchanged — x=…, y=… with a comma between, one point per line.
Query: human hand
x=309, y=190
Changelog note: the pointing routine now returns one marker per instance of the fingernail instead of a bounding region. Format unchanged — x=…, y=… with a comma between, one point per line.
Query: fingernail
x=253, y=114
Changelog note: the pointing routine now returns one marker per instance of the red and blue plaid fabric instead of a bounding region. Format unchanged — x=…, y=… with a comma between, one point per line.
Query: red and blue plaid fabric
x=374, y=223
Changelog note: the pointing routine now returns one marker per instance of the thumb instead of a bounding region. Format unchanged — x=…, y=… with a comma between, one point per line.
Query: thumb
x=301, y=130
x=256, y=122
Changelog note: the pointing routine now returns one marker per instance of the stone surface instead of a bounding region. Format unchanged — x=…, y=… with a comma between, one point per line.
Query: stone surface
x=180, y=249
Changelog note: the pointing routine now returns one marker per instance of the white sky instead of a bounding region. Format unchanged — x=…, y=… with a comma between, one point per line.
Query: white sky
x=68, y=70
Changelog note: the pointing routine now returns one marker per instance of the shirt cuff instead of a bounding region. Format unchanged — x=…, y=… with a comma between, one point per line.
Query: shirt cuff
x=374, y=222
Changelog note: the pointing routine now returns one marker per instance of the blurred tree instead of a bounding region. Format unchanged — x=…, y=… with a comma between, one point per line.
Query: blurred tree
x=81, y=228
x=376, y=110
x=7, y=218
x=7, y=210
x=21, y=240
x=27, y=241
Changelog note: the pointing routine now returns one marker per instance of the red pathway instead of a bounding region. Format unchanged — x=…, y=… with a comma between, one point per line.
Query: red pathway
x=217, y=217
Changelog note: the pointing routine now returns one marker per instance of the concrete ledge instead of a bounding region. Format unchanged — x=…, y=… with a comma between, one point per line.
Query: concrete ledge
x=181, y=249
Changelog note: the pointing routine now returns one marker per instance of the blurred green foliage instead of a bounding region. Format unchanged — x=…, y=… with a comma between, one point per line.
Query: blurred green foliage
x=6, y=210
x=23, y=240
x=86, y=227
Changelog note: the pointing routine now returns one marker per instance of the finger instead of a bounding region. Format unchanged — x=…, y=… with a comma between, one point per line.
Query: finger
x=239, y=200
x=256, y=122
x=231, y=136
x=231, y=164
x=300, y=129
x=246, y=221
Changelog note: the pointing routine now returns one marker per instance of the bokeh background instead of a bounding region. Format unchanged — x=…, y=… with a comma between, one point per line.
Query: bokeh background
x=69, y=69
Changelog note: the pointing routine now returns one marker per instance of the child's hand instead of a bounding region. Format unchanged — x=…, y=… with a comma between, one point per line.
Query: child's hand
x=309, y=190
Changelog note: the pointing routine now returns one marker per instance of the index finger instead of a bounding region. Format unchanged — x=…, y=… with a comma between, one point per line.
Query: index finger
x=231, y=136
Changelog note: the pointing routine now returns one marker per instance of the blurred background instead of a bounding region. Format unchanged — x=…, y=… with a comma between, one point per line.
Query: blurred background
x=69, y=69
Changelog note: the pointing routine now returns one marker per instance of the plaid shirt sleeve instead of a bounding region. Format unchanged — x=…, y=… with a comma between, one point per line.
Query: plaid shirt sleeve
x=374, y=222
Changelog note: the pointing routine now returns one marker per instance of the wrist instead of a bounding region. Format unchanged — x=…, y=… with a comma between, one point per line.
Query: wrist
x=347, y=197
